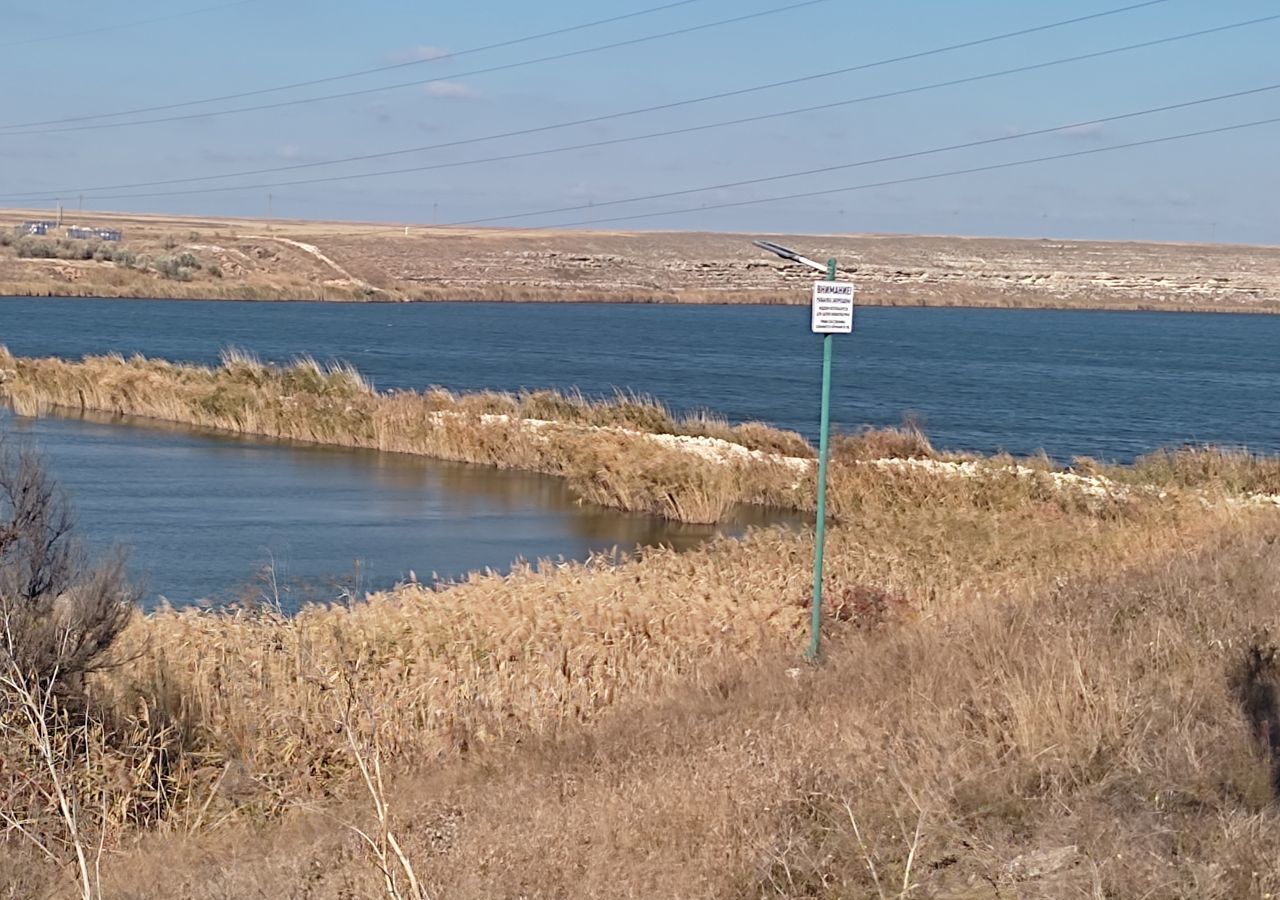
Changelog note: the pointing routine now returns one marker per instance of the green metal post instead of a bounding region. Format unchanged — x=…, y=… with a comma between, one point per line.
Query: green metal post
x=815, y=622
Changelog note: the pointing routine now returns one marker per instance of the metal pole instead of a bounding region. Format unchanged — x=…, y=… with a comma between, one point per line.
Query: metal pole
x=815, y=621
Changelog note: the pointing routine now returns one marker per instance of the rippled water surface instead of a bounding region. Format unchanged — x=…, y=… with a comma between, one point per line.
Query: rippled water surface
x=201, y=512
x=1110, y=384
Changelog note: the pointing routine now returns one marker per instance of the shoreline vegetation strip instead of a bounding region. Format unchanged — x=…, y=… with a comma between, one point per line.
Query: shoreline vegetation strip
x=625, y=452
x=304, y=292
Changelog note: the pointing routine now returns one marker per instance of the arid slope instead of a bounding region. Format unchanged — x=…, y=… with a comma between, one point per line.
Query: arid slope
x=255, y=259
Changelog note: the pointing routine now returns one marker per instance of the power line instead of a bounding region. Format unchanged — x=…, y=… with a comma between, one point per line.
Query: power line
x=331, y=78
x=49, y=195
x=123, y=25
x=917, y=178
x=897, y=157
x=633, y=112
x=555, y=57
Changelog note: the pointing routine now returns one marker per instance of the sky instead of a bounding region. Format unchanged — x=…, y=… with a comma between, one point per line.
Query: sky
x=80, y=58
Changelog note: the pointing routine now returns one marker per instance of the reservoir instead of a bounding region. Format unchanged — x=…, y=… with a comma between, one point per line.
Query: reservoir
x=206, y=516
x=1071, y=382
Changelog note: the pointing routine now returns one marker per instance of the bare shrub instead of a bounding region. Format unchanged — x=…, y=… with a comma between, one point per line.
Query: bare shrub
x=61, y=616
x=59, y=619
x=179, y=268
x=35, y=248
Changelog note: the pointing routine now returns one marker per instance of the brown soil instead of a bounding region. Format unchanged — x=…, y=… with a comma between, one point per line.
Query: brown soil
x=346, y=261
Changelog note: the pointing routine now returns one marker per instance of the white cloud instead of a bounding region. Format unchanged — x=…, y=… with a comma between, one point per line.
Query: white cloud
x=421, y=53
x=1090, y=131
x=452, y=89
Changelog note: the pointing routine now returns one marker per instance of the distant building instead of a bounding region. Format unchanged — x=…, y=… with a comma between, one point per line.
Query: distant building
x=37, y=228
x=91, y=234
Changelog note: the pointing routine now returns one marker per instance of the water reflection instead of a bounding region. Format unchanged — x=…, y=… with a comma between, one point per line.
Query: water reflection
x=201, y=511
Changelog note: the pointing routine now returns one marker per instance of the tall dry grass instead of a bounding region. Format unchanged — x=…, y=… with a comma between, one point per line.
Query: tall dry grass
x=626, y=452
x=495, y=660
x=604, y=448
x=1040, y=703
x=998, y=651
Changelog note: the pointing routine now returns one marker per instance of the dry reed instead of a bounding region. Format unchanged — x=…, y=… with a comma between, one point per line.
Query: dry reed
x=604, y=448
x=1022, y=682
x=1045, y=710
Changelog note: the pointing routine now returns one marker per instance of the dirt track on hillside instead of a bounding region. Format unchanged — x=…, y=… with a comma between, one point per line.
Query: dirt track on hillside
x=345, y=261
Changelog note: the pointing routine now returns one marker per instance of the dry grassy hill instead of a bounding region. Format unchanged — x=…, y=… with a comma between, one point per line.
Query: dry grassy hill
x=257, y=259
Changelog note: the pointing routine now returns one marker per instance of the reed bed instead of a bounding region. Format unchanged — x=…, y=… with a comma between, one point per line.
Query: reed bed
x=625, y=452
x=992, y=656
x=604, y=448
x=1027, y=688
x=495, y=660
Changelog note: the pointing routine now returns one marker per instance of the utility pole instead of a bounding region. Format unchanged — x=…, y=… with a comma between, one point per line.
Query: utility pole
x=831, y=313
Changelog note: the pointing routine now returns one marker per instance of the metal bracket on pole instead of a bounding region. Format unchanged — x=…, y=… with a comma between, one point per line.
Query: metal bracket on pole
x=792, y=256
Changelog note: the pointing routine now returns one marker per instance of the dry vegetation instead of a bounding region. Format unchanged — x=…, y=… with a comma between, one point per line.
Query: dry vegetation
x=301, y=260
x=600, y=447
x=1023, y=694
x=627, y=452
x=1027, y=691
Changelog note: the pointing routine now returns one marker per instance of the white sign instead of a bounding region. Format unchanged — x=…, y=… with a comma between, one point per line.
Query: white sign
x=832, y=307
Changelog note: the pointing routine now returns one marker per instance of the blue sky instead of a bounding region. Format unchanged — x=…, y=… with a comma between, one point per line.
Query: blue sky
x=1213, y=188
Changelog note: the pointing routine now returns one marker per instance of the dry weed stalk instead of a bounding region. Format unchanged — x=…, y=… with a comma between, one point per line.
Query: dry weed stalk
x=37, y=708
x=388, y=855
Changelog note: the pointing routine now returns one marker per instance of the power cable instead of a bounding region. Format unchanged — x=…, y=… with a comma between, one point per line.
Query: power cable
x=331, y=78
x=610, y=116
x=897, y=157
x=50, y=195
x=916, y=178
x=568, y=54
x=123, y=25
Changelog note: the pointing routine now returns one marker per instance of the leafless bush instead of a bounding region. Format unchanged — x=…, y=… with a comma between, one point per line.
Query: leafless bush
x=60, y=614
x=58, y=620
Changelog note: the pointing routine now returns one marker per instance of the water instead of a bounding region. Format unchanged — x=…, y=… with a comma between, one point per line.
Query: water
x=1104, y=384
x=201, y=511
x=201, y=514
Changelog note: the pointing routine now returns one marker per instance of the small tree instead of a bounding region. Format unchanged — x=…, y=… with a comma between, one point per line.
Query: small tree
x=59, y=616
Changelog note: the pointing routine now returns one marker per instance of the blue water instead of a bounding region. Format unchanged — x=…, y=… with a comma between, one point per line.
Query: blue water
x=202, y=515
x=1104, y=384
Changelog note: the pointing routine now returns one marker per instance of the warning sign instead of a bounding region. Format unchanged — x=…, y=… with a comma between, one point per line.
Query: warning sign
x=832, y=307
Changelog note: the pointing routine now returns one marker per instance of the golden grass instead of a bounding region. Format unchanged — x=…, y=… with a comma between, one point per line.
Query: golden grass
x=601, y=447
x=1222, y=470
x=999, y=651
x=616, y=452
x=1032, y=679
x=1027, y=690
x=498, y=659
